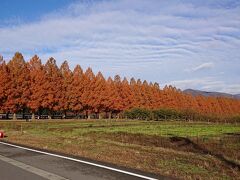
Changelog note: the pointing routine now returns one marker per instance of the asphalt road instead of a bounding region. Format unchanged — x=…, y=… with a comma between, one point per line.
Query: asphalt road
x=21, y=164
x=8, y=172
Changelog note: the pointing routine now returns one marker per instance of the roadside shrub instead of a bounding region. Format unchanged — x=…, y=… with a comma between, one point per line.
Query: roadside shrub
x=171, y=114
x=138, y=113
x=189, y=114
x=235, y=119
x=161, y=114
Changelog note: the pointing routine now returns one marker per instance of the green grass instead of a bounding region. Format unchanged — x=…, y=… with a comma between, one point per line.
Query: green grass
x=171, y=130
x=182, y=129
x=71, y=128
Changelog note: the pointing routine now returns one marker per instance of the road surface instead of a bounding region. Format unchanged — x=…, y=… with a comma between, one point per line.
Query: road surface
x=24, y=164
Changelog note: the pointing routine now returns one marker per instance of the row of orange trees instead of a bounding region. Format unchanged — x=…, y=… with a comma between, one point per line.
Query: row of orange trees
x=33, y=86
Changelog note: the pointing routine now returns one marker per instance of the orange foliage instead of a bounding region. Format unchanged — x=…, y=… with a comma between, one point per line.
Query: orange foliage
x=32, y=85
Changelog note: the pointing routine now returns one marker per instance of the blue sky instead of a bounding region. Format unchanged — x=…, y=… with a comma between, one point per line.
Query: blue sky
x=189, y=44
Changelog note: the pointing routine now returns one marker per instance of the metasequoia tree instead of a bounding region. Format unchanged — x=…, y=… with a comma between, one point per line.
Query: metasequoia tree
x=34, y=87
x=67, y=78
x=37, y=86
x=146, y=94
x=5, y=86
x=112, y=102
x=76, y=90
x=155, y=95
x=99, y=95
x=126, y=95
x=53, y=87
x=88, y=91
x=20, y=81
x=118, y=99
x=133, y=88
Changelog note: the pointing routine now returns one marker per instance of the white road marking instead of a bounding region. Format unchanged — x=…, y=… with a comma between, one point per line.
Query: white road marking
x=81, y=161
x=39, y=172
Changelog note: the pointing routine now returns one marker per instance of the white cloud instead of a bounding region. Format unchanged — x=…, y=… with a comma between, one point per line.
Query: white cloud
x=203, y=66
x=200, y=67
x=134, y=34
x=233, y=88
x=207, y=84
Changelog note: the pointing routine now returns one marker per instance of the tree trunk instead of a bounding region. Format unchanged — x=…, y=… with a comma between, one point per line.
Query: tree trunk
x=88, y=115
x=14, y=116
x=33, y=116
x=65, y=114
x=99, y=116
x=110, y=115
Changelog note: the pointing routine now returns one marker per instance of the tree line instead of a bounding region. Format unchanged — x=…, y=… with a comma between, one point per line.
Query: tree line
x=31, y=86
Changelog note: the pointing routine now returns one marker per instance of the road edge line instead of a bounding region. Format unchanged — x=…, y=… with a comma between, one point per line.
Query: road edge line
x=32, y=169
x=80, y=161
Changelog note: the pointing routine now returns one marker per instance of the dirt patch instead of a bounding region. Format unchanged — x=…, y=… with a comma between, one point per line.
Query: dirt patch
x=211, y=146
x=148, y=140
x=66, y=129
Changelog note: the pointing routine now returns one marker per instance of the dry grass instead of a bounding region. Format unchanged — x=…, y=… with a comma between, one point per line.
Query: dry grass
x=140, y=145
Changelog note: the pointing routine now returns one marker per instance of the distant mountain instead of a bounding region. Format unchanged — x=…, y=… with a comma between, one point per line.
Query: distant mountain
x=237, y=96
x=212, y=94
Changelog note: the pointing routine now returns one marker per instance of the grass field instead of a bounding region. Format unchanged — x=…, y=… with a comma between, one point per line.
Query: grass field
x=184, y=150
